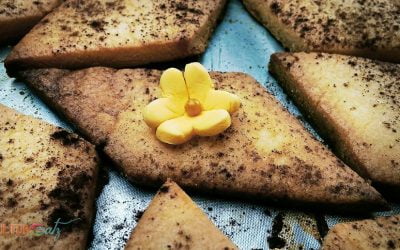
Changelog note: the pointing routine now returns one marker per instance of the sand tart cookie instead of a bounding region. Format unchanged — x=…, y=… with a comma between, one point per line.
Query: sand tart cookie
x=363, y=28
x=355, y=104
x=380, y=233
x=47, y=185
x=174, y=221
x=117, y=33
x=17, y=17
x=265, y=153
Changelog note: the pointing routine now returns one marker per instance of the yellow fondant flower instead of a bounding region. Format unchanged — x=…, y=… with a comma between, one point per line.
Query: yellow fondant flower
x=189, y=106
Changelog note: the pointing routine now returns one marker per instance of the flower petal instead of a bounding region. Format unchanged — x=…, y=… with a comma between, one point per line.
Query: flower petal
x=159, y=111
x=210, y=123
x=173, y=86
x=218, y=99
x=175, y=131
x=198, y=81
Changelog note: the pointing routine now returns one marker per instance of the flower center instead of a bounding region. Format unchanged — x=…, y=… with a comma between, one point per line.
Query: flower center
x=193, y=107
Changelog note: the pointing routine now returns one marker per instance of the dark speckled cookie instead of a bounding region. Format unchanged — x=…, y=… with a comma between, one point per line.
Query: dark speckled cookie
x=117, y=33
x=266, y=154
x=364, y=28
x=46, y=174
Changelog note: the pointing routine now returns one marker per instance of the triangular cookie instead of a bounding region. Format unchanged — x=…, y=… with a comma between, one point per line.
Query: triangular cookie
x=380, y=233
x=174, y=221
x=266, y=153
x=117, y=33
x=46, y=174
x=17, y=17
x=355, y=103
x=364, y=28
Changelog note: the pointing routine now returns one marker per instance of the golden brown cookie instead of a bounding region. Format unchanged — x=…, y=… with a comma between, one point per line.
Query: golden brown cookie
x=354, y=103
x=17, y=17
x=380, y=233
x=174, y=221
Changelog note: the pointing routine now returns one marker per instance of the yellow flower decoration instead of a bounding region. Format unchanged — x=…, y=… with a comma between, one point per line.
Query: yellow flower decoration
x=189, y=106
